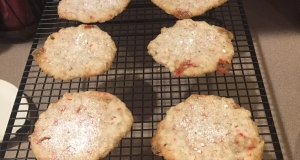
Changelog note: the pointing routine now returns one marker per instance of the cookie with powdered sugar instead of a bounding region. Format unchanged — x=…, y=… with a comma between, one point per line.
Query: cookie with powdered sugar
x=88, y=11
x=85, y=125
x=207, y=127
x=193, y=48
x=184, y=9
x=76, y=52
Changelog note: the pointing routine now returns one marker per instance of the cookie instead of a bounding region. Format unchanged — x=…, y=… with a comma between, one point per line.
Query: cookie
x=76, y=52
x=184, y=9
x=84, y=125
x=88, y=11
x=193, y=48
x=207, y=127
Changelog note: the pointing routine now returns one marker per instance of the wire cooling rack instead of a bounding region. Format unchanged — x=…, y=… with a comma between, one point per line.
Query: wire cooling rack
x=147, y=88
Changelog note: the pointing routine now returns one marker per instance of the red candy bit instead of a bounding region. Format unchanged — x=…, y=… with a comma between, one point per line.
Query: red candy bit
x=204, y=114
x=177, y=110
x=252, y=145
x=250, y=154
x=222, y=61
x=183, y=66
x=191, y=106
x=119, y=108
x=88, y=26
x=91, y=116
x=112, y=118
x=223, y=66
x=241, y=134
x=91, y=45
x=222, y=70
x=68, y=132
x=62, y=109
x=91, y=17
x=175, y=139
x=69, y=98
x=43, y=49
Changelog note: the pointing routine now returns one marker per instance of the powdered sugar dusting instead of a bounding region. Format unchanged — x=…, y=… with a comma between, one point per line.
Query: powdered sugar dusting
x=88, y=11
x=82, y=51
x=191, y=42
x=201, y=125
x=207, y=127
x=85, y=125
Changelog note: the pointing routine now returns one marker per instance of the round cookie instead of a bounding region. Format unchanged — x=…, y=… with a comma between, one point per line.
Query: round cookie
x=184, y=9
x=207, y=127
x=76, y=52
x=88, y=11
x=85, y=125
x=193, y=48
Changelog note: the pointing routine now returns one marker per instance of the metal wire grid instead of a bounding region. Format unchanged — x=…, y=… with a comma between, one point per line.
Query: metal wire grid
x=147, y=88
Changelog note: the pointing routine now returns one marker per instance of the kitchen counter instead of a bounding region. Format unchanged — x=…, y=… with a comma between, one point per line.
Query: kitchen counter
x=275, y=29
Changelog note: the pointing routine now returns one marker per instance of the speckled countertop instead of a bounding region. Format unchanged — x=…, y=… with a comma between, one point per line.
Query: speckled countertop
x=275, y=28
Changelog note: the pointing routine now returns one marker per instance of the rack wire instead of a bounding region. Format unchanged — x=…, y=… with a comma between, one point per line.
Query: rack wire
x=147, y=88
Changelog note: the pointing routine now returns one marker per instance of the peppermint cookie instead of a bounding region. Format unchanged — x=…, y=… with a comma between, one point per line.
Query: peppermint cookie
x=76, y=52
x=184, y=9
x=193, y=48
x=85, y=125
x=207, y=127
x=88, y=11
